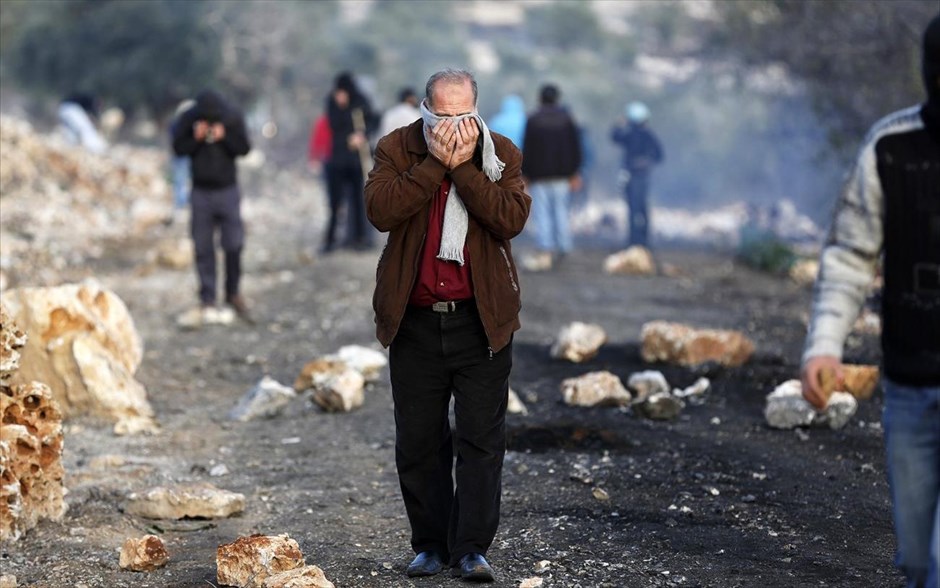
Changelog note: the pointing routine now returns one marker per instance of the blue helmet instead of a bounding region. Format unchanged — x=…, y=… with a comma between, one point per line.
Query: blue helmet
x=637, y=112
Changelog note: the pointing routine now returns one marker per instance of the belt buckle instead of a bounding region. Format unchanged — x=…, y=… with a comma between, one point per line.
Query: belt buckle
x=444, y=306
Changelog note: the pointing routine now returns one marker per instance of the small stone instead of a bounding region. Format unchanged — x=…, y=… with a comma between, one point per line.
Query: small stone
x=144, y=554
x=218, y=470
x=534, y=582
x=8, y=581
x=646, y=383
x=542, y=566
x=249, y=561
x=600, y=494
x=199, y=500
x=661, y=406
x=688, y=346
x=785, y=408
x=364, y=360
x=305, y=577
x=595, y=389
x=578, y=342
x=514, y=404
x=633, y=261
x=265, y=400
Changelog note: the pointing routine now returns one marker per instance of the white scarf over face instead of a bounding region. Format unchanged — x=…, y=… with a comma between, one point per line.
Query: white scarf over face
x=454, y=231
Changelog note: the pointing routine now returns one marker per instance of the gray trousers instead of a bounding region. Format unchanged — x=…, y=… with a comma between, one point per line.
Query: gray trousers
x=211, y=210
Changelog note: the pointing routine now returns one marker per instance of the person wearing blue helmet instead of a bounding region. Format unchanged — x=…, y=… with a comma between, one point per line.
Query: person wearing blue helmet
x=641, y=151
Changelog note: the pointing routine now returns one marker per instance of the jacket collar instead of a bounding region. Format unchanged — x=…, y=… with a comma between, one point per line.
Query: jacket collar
x=415, y=140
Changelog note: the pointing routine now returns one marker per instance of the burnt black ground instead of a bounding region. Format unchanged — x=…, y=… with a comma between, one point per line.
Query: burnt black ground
x=714, y=498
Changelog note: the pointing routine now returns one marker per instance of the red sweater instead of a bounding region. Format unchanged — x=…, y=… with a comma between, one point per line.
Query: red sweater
x=439, y=280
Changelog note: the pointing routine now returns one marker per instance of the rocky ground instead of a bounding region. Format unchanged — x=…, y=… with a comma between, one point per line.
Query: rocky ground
x=714, y=498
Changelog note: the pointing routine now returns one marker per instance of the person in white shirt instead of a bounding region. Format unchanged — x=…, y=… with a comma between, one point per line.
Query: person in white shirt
x=402, y=114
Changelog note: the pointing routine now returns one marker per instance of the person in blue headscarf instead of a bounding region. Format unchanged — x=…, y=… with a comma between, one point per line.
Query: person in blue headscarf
x=510, y=120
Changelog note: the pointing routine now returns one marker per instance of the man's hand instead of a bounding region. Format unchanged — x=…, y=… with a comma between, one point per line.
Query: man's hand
x=441, y=141
x=355, y=141
x=218, y=131
x=200, y=130
x=467, y=135
x=453, y=144
x=820, y=376
x=575, y=183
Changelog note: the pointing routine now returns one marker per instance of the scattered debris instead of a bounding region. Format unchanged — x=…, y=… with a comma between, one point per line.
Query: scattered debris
x=514, y=404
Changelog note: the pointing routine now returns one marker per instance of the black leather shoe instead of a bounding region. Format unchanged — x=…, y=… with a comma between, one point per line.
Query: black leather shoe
x=427, y=563
x=473, y=567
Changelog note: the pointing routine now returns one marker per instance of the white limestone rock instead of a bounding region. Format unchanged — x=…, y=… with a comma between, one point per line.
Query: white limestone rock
x=646, y=383
x=634, y=261
x=342, y=392
x=660, y=406
x=84, y=346
x=578, y=342
x=144, y=554
x=31, y=472
x=364, y=360
x=595, y=389
x=305, y=577
x=265, y=400
x=249, y=561
x=199, y=500
x=515, y=405
x=785, y=408
x=684, y=345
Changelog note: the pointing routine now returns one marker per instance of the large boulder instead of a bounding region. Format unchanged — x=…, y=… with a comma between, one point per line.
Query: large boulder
x=83, y=344
x=31, y=472
x=688, y=346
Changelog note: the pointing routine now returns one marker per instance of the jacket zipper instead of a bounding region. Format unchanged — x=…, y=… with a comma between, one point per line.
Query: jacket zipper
x=512, y=280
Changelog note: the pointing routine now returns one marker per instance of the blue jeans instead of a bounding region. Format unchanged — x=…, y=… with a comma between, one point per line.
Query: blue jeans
x=912, y=436
x=550, y=202
x=179, y=170
x=637, y=188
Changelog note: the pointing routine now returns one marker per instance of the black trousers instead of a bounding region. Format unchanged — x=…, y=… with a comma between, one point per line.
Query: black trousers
x=344, y=186
x=433, y=356
x=211, y=210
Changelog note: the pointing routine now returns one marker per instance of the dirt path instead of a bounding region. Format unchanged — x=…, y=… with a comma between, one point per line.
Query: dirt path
x=714, y=498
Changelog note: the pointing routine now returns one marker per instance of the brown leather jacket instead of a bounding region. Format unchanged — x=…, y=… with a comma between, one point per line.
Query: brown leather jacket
x=398, y=197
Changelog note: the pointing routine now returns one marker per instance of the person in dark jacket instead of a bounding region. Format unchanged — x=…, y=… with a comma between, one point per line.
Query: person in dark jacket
x=890, y=210
x=351, y=121
x=552, y=148
x=451, y=196
x=212, y=134
x=641, y=151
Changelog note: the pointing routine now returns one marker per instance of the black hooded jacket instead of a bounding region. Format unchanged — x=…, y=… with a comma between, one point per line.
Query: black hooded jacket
x=342, y=124
x=213, y=162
